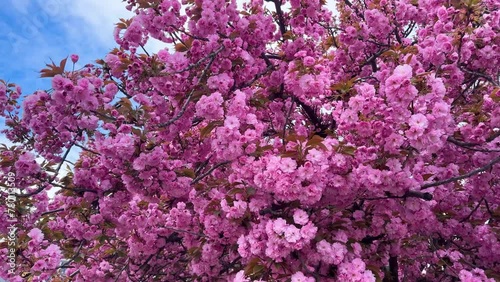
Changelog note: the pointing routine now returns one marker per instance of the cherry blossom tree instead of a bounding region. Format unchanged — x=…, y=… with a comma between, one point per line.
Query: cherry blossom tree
x=271, y=141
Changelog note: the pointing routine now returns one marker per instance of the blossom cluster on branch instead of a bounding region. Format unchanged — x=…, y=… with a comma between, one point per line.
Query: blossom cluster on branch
x=274, y=141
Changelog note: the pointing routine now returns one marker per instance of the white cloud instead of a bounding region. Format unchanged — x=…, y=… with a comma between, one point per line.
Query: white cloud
x=21, y=5
x=4, y=140
x=97, y=18
x=95, y=22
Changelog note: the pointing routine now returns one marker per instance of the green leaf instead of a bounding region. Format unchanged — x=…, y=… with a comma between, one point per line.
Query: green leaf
x=186, y=172
x=251, y=191
x=205, y=131
x=254, y=267
x=375, y=272
x=195, y=252
x=314, y=141
x=235, y=191
x=289, y=154
x=347, y=150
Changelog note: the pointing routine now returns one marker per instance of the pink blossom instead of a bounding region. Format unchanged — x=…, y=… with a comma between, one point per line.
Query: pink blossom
x=26, y=165
x=308, y=61
x=210, y=106
x=300, y=277
x=232, y=122
x=292, y=234
x=300, y=217
x=418, y=121
x=36, y=235
x=289, y=145
x=279, y=226
x=74, y=58
x=95, y=219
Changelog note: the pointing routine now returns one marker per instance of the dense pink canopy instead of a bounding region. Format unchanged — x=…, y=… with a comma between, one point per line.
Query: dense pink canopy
x=274, y=141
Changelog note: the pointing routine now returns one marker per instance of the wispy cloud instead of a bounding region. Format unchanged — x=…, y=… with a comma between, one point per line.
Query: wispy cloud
x=35, y=31
x=99, y=18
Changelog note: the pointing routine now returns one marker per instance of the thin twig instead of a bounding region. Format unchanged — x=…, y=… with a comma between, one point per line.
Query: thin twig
x=200, y=177
x=279, y=12
x=486, y=77
x=469, y=146
x=86, y=149
x=473, y=211
x=184, y=231
x=65, y=265
x=121, y=270
x=74, y=273
x=493, y=137
x=145, y=51
x=463, y=176
x=103, y=115
x=50, y=212
x=188, y=99
x=42, y=187
x=292, y=104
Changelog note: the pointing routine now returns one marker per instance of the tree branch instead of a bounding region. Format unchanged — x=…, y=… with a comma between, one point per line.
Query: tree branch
x=65, y=265
x=393, y=270
x=408, y=194
x=188, y=99
x=493, y=137
x=78, y=190
x=279, y=12
x=86, y=149
x=42, y=187
x=469, y=146
x=50, y=212
x=486, y=77
x=472, y=212
x=200, y=177
x=463, y=176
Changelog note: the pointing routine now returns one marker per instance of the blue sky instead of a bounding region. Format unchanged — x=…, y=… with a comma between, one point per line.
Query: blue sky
x=32, y=32
x=35, y=31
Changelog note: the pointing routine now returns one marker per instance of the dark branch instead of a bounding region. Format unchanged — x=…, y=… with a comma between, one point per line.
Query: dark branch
x=482, y=75
x=190, y=95
x=77, y=253
x=279, y=13
x=472, y=212
x=471, y=146
x=56, y=172
x=200, y=177
x=463, y=176
x=370, y=239
x=51, y=212
x=393, y=269
x=408, y=194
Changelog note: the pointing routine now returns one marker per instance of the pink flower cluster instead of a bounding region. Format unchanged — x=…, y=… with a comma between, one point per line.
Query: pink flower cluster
x=355, y=271
x=271, y=142
x=210, y=107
